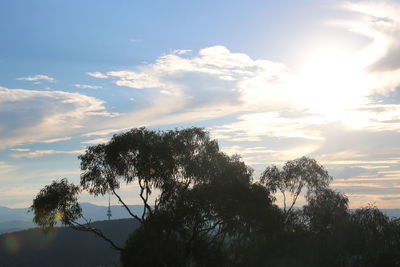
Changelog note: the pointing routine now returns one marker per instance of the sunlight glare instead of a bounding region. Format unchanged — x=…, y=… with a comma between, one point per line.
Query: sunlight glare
x=331, y=82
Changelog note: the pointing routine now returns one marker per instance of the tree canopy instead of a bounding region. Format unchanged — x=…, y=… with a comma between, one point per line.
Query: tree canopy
x=207, y=208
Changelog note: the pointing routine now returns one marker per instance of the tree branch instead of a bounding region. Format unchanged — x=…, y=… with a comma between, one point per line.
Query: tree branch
x=284, y=200
x=144, y=199
x=81, y=227
x=295, y=197
x=126, y=207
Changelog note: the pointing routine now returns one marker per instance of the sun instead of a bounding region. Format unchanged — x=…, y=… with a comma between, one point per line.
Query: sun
x=331, y=82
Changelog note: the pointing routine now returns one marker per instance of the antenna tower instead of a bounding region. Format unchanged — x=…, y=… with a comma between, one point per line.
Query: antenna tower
x=109, y=208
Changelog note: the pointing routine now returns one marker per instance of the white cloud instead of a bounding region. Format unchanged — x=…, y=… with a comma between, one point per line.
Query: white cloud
x=20, y=149
x=44, y=116
x=41, y=153
x=320, y=109
x=380, y=22
x=265, y=156
x=87, y=86
x=56, y=140
x=6, y=170
x=256, y=125
x=5, y=165
x=216, y=82
x=181, y=51
x=37, y=78
x=269, y=99
x=98, y=75
x=96, y=141
x=104, y=132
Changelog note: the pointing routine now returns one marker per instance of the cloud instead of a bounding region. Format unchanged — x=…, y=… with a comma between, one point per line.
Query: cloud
x=337, y=88
x=30, y=116
x=347, y=172
x=265, y=98
x=96, y=141
x=270, y=111
x=252, y=127
x=98, y=75
x=380, y=23
x=214, y=83
x=56, y=140
x=7, y=169
x=4, y=166
x=104, y=132
x=41, y=153
x=264, y=155
x=86, y=86
x=214, y=75
x=37, y=78
x=20, y=149
x=182, y=51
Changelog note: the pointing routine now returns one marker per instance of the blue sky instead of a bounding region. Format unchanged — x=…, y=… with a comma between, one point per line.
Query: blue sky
x=271, y=80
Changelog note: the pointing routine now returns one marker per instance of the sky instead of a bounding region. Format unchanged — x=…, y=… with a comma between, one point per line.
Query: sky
x=270, y=80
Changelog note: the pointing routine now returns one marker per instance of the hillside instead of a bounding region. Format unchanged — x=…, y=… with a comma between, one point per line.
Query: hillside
x=20, y=219
x=64, y=246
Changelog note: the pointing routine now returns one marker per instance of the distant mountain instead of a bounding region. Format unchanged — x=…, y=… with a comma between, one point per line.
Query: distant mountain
x=20, y=219
x=8, y=214
x=392, y=213
x=97, y=213
x=65, y=246
x=11, y=226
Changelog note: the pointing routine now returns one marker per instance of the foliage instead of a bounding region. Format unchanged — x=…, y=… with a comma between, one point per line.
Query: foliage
x=209, y=212
x=294, y=176
x=57, y=201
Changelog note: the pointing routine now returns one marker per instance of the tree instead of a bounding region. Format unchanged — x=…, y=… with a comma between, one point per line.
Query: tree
x=159, y=160
x=326, y=218
x=58, y=202
x=207, y=221
x=376, y=238
x=294, y=176
x=205, y=204
x=325, y=210
x=207, y=211
x=165, y=161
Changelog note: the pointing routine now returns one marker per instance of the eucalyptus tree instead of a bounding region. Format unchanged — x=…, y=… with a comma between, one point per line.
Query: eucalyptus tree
x=203, y=197
x=165, y=161
x=295, y=176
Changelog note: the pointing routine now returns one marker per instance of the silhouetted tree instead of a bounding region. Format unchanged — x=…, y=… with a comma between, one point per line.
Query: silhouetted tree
x=208, y=211
x=376, y=238
x=208, y=222
x=293, y=178
x=325, y=209
x=206, y=200
x=167, y=161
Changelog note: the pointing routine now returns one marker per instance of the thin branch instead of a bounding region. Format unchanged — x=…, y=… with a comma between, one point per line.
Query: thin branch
x=126, y=207
x=222, y=231
x=212, y=227
x=144, y=199
x=295, y=196
x=81, y=227
x=148, y=192
x=284, y=200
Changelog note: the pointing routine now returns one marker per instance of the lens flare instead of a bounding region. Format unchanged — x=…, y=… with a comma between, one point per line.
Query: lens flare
x=58, y=216
x=12, y=244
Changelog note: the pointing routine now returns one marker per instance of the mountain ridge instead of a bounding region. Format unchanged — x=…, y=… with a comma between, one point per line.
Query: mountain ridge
x=15, y=219
x=65, y=246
